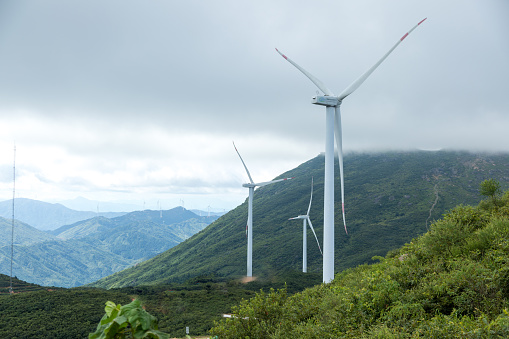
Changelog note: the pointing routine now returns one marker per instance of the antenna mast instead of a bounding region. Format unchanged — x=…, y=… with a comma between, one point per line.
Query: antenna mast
x=12, y=232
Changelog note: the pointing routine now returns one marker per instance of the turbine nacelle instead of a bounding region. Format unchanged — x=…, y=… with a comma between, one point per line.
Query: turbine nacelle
x=326, y=100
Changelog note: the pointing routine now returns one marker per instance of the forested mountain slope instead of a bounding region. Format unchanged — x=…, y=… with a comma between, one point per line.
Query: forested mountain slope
x=390, y=198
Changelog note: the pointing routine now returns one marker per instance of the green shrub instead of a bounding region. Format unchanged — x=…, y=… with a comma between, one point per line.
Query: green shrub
x=258, y=317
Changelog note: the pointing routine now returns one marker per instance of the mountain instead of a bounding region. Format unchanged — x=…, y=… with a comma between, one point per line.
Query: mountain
x=46, y=216
x=137, y=235
x=390, y=197
x=83, y=228
x=62, y=263
x=85, y=251
x=23, y=235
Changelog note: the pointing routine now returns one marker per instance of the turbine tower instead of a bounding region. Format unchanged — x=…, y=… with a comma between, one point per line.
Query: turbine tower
x=333, y=127
x=251, y=185
x=305, y=219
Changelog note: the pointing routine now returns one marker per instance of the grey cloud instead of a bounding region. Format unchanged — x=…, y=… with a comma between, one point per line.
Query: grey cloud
x=112, y=81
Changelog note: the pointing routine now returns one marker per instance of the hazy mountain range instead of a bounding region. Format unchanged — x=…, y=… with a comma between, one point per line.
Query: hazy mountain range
x=390, y=198
x=47, y=216
x=87, y=250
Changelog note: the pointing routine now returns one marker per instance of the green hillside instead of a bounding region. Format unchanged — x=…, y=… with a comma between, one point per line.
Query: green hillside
x=451, y=282
x=390, y=199
x=18, y=285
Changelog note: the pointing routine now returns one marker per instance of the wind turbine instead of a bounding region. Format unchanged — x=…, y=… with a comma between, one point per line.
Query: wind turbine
x=305, y=218
x=251, y=185
x=333, y=127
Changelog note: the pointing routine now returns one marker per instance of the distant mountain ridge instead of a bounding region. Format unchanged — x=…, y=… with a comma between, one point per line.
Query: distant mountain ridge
x=85, y=251
x=390, y=198
x=46, y=216
x=24, y=234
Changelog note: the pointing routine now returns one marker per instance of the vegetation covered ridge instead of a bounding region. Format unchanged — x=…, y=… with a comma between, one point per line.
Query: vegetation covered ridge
x=451, y=282
x=390, y=198
x=18, y=285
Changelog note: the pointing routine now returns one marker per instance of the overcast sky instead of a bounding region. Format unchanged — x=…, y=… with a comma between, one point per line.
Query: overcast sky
x=141, y=100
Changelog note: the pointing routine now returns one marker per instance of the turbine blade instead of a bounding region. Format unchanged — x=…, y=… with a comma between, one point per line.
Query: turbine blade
x=312, y=229
x=260, y=184
x=311, y=199
x=248, y=174
x=354, y=85
x=310, y=76
x=298, y=217
x=339, y=142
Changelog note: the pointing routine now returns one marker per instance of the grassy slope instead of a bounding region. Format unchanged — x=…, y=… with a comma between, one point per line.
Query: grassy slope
x=389, y=197
x=451, y=282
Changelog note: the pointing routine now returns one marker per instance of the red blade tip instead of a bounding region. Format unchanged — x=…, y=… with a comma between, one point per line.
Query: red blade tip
x=284, y=56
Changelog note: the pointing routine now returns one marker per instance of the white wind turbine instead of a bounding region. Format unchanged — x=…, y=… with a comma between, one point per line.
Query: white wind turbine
x=251, y=185
x=333, y=127
x=305, y=219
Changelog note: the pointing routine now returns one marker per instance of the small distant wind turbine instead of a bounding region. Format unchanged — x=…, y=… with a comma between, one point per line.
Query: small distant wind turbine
x=251, y=185
x=333, y=127
x=305, y=218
